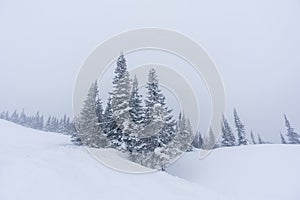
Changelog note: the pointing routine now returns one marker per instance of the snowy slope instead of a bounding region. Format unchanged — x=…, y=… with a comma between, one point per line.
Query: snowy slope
x=266, y=172
x=35, y=165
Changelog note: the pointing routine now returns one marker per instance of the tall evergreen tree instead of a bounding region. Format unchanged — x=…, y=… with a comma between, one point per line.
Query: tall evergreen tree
x=54, y=124
x=99, y=110
x=184, y=134
x=156, y=144
x=210, y=140
x=154, y=98
x=6, y=115
x=14, y=117
x=2, y=115
x=30, y=122
x=23, y=118
x=260, y=141
x=41, y=123
x=88, y=128
x=36, y=123
x=242, y=140
x=136, y=108
x=252, y=138
x=293, y=137
x=283, y=141
x=48, y=124
x=120, y=101
x=198, y=140
x=110, y=128
x=72, y=128
x=157, y=115
x=228, y=139
x=121, y=93
x=62, y=127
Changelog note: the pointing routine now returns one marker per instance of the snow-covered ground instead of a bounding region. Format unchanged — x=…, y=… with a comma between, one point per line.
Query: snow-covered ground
x=266, y=172
x=36, y=165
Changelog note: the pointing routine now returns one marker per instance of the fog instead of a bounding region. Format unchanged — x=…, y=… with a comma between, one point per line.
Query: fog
x=254, y=44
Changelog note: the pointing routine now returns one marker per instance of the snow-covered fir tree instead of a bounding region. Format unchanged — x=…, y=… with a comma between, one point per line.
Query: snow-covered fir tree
x=41, y=123
x=135, y=103
x=99, y=110
x=242, y=140
x=210, y=140
x=53, y=124
x=283, y=141
x=2, y=115
x=120, y=95
x=252, y=138
x=260, y=141
x=37, y=122
x=6, y=116
x=137, y=116
x=62, y=125
x=109, y=126
x=158, y=127
x=155, y=98
x=71, y=128
x=23, y=118
x=14, y=117
x=198, y=140
x=293, y=137
x=158, y=117
x=120, y=98
x=88, y=127
x=228, y=139
x=184, y=135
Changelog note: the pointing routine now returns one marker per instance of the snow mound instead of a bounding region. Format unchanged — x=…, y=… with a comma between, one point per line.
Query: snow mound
x=266, y=172
x=36, y=165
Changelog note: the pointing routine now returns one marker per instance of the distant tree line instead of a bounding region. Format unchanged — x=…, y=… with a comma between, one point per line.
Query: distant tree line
x=52, y=124
x=237, y=136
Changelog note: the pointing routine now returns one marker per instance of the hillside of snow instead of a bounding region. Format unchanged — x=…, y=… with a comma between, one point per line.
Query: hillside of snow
x=37, y=165
x=266, y=172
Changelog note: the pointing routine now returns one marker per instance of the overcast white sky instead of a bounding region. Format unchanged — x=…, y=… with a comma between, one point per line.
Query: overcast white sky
x=255, y=45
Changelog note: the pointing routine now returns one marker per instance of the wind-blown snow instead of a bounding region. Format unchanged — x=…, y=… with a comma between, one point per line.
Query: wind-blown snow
x=35, y=165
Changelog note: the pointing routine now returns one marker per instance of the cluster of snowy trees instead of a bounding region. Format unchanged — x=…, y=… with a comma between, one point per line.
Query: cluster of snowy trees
x=52, y=124
x=144, y=128
x=292, y=136
x=147, y=131
x=228, y=137
x=237, y=137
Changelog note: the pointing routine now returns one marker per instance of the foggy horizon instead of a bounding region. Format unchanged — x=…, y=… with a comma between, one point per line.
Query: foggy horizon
x=43, y=48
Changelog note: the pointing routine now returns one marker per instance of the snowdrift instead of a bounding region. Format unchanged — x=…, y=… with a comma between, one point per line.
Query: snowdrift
x=37, y=165
x=247, y=172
